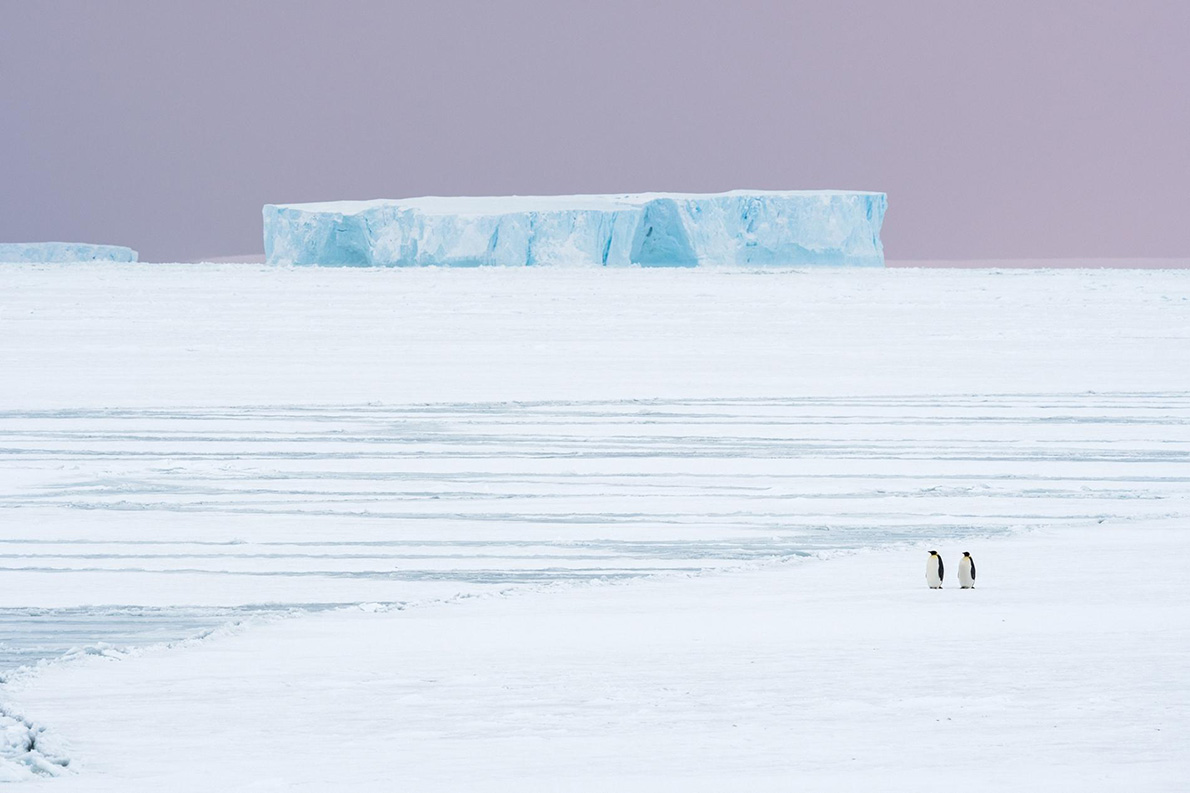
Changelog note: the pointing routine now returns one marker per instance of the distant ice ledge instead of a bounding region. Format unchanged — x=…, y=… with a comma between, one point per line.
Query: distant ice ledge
x=742, y=228
x=35, y=252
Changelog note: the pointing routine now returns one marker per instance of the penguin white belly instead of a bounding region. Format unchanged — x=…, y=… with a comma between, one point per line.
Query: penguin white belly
x=933, y=578
x=966, y=580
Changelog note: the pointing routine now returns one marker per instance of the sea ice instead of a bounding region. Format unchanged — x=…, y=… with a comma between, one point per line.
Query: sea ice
x=743, y=227
x=34, y=252
x=307, y=438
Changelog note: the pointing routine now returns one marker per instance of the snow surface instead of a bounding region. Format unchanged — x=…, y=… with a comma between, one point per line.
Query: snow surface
x=435, y=503
x=1063, y=670
x=44, y=252
x=742, y=227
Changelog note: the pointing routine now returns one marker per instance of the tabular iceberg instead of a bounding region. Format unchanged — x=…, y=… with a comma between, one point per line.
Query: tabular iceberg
x=64, y=252
x=743, y=227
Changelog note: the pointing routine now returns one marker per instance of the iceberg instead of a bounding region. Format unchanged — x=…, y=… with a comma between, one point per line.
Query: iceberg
x=64, y=252
x=741, y=227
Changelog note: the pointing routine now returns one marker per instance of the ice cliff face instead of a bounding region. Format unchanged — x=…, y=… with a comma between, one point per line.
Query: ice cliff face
x=64, y=252
x=743, y=227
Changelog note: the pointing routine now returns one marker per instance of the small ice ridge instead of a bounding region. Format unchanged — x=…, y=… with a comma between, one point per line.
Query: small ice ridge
x=28, y=750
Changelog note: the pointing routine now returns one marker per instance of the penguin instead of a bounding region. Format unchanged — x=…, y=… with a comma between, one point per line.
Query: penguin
x=967, y=571
x=935, y=570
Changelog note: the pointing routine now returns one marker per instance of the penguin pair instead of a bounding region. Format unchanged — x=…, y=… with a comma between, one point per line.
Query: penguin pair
x=936, y=571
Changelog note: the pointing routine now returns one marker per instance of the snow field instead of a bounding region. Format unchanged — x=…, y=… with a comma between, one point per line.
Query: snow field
x=1064, y=669
x=160, y=336
x=164, y=522
x=501, y=459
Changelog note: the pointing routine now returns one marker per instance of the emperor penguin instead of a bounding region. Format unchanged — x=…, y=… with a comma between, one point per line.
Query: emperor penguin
x=935, y=570
x=967, y=571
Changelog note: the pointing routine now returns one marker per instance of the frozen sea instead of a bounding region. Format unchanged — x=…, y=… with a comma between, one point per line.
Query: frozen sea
x=184, y=447
x=130, y=526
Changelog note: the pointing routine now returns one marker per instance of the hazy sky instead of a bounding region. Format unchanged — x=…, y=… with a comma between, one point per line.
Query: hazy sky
x=998, y=129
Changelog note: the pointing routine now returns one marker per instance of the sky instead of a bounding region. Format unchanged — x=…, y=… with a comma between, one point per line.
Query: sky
x=999, y=130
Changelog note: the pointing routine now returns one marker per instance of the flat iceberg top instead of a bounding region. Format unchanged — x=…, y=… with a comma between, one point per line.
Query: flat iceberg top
x=741, y=227
x=47, y=252
x=515, y=204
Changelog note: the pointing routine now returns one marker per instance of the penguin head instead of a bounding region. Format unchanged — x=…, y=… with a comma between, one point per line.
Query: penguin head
x=966, y=554
x=933, y=553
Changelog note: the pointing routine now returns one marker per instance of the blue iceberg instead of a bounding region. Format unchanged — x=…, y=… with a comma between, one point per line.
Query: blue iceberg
x=64, y=252
x=742, y=228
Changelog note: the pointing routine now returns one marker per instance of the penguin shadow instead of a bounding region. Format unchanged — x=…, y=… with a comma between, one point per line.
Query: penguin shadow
x=936, y=571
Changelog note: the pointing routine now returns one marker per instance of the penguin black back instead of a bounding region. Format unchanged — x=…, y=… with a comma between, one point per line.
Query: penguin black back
x=935, y=570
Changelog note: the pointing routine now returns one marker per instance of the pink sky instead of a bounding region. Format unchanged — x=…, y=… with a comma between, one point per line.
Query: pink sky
x=1013, y=129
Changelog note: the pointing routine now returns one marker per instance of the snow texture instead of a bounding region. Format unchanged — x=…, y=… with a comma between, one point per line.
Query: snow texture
x=1065, y=670
x=585, y=529
x=742, y=227
x=28, y=750
x=45, y=252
